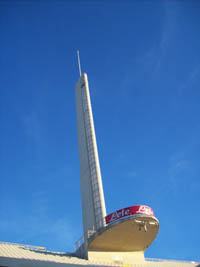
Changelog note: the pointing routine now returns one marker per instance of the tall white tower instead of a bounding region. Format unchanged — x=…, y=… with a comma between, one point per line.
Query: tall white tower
x=93, y=204
x=123, y=234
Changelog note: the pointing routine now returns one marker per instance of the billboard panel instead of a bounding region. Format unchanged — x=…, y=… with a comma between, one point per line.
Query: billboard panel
x=133, y=210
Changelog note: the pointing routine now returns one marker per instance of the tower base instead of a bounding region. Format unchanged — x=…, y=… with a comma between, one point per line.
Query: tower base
x=117, y=257
x=123, y=241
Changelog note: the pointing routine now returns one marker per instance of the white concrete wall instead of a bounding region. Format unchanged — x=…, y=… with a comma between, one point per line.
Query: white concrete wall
x=93, y=204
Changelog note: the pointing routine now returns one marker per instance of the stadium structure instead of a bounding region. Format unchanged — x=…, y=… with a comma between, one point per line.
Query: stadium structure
x=116, y=239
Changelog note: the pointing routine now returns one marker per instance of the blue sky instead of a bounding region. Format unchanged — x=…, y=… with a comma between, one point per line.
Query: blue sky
x=143, y=63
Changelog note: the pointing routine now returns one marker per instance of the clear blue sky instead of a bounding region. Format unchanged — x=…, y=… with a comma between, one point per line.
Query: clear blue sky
x=143, y=63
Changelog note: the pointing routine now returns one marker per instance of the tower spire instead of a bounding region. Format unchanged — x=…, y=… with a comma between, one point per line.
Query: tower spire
x=79, y=62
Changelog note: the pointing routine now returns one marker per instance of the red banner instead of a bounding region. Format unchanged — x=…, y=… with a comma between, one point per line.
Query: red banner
x=134, y=210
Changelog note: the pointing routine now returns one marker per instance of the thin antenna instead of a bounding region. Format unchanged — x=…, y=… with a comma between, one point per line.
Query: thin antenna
x=79, y=63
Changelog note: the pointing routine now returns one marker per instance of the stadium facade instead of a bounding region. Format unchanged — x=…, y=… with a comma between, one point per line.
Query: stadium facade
x=116, y=239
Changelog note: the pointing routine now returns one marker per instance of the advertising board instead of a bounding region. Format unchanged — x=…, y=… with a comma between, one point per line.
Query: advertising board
x=133, y=210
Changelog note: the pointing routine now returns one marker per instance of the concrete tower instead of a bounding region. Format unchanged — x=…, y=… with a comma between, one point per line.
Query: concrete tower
x=125, y=233
x=93, y=204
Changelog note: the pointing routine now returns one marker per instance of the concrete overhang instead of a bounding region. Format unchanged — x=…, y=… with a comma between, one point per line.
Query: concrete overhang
x=131, y=234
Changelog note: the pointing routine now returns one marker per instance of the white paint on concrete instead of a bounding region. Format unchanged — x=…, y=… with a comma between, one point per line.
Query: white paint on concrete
x=93, y=203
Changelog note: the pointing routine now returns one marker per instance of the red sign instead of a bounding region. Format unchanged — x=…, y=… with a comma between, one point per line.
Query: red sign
x=134, y=210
